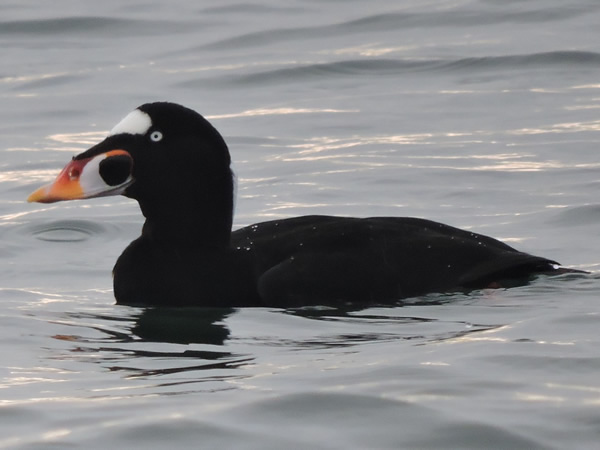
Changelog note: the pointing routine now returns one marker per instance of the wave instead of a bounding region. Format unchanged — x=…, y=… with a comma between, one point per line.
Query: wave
x=86, y=25
x=395, y=20
x=383, y=67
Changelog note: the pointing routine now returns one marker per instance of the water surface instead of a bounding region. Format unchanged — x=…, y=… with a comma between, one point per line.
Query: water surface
x=480, y=114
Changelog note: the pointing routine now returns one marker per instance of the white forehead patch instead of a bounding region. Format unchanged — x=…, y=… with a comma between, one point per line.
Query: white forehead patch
x=136, y=122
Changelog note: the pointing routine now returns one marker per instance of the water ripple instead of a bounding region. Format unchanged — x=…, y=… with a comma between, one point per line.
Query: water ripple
x=64, y=230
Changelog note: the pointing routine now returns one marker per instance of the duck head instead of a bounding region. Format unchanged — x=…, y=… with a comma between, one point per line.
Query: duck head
x=167, y=157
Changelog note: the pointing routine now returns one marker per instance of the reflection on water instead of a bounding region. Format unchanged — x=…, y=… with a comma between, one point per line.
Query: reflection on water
x=85, y=138
x=278, y=112
x=387, y=151
x=167, y=342
x=573, y=127
x=155, y=342
x=182, y=326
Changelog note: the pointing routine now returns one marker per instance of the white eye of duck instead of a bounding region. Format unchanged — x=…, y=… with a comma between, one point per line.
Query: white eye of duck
x=156, y=136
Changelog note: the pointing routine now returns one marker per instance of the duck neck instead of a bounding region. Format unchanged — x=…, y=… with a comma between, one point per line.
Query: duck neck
x=191, y=221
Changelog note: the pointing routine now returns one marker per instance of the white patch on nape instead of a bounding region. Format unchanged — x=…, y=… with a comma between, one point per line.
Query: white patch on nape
x=136, y=122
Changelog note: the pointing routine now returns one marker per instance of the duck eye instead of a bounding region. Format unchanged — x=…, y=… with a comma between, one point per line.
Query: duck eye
x=156, y=136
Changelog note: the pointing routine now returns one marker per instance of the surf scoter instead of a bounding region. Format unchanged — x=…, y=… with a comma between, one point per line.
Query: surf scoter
x=177, y=166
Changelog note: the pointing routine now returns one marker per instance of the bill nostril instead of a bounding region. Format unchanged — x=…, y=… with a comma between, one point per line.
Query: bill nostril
x=74, y=173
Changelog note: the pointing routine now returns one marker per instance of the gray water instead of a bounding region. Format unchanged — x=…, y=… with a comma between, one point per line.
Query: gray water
x=481, y=114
